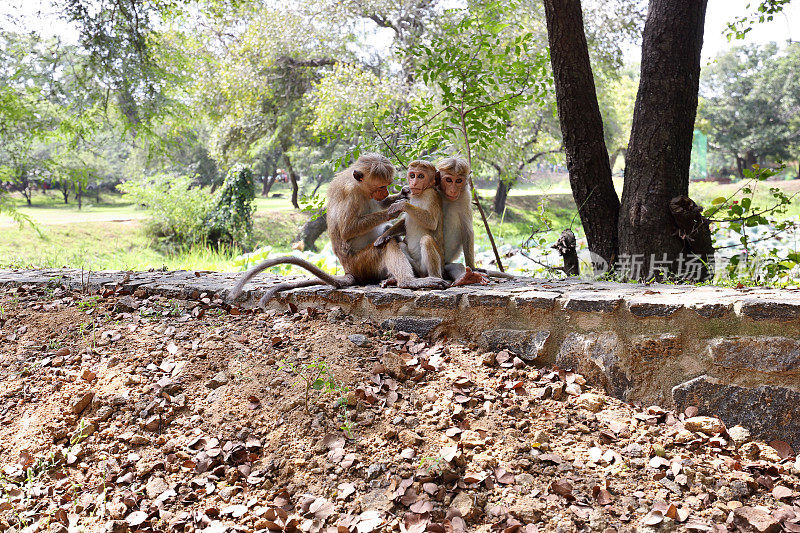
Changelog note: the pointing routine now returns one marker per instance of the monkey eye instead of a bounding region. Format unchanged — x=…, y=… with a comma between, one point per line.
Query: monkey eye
x=449, y=180
x=459, y=180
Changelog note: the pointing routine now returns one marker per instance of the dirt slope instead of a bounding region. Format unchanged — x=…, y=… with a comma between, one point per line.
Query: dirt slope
x=126, y=413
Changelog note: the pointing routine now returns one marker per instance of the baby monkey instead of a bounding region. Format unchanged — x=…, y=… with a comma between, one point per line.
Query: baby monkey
x=422, y=223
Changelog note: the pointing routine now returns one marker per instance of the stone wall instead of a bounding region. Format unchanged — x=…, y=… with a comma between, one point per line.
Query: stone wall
x=732, y=353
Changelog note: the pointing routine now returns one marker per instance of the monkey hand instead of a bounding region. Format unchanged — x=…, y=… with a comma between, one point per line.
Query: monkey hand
x=389, y=282
x=471, y=277
x=396, y=208
x=405, y=192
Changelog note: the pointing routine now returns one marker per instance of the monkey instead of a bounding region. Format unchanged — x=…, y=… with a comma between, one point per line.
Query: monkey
x=422, y=222
x=355, y=220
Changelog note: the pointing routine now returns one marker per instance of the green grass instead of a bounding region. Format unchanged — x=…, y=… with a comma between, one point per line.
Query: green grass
x=111, y=235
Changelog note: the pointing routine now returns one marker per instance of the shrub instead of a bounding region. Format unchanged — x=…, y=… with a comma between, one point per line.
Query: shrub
x=178, y=209
x=231, y=219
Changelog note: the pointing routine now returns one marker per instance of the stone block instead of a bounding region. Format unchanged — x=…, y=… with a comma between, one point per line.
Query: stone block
x=412, y=324
x=385, y=297
x=598, y=358
x=536, y=300
x=768, y=412
x=529, y=345
x=438, y=300
x=653, y=308
x=710, y=309
x=655, y=349
x=592, y=302
x=764, y=354
x=484, y=298
x=758, y=309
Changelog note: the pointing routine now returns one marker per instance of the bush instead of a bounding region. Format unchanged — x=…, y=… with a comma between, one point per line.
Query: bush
x=178, y=209
x=231, y=219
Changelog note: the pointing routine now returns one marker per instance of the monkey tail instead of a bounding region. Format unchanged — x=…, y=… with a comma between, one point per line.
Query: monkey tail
x=285, y=260
x=498, y=274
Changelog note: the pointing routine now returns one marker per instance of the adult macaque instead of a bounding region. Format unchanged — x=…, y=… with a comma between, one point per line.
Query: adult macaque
x=355, y=220
x=422, y=222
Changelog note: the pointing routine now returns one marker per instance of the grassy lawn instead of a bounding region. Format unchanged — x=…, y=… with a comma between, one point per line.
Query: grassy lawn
x=112, y=235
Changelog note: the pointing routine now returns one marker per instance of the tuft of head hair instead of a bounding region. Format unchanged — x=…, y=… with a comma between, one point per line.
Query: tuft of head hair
x=375, y=165
x=455, y=166
x=420, y=164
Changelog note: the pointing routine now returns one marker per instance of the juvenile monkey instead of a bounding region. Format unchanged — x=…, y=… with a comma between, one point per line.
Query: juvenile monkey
x=458, y=233
x=355, y=220
x=422, y=223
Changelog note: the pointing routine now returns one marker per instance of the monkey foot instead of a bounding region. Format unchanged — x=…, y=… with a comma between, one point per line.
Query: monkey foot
x=389, y=282
x=424, y=283
x=471, y=277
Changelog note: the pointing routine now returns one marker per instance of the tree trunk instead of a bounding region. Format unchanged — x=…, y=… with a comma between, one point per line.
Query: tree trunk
x=79, y=194
x=582, y=129
x=292, y=179
x=310, y=232
x=267, y=186
x=659, y=151
x=500, y=197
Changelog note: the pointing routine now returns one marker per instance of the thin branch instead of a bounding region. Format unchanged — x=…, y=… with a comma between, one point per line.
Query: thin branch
x=389, y=146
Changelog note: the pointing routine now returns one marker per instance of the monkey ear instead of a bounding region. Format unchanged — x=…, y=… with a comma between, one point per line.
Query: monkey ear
x=358, y=175
x=438, y=178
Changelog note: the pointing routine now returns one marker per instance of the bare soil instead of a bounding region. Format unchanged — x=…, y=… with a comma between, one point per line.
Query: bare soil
x=127, y=413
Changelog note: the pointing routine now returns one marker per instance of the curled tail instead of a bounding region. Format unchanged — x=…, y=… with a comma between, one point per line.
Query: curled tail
x=285, y=260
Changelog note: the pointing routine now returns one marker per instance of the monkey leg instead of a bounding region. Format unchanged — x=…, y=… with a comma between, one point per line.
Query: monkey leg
x=454, y=271
x=431, y=257
x=400, y=268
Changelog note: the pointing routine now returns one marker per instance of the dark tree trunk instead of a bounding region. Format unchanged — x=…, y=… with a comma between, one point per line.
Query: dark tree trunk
x=613, y=159
x=292, y=179
x=501, y=196
x=79, y=194
x=695, y=231
x=65, y=191
x=582, y=129
x=310, y=232
x=659, y=151
x=267, y=186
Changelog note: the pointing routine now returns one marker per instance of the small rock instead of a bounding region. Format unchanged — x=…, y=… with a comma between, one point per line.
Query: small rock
x=227, y=493
x=374, y=470
x=739, y=435
x=155, y=487
x=82, y=403
x=126, y=304
x=590, y=401
x=153, y=423
x=541, y=436
x=218, y=381
x=704, y=424
x=83, y=433
x=117, y=526
x=573, y=389
x=394, y=365
x=525, y=481
x=748, y=518
x=57, y=527
x=88, y=375
x=409, y=438
x=528, y=509
x=471, y=439
x=465, y=504
x=359, y=340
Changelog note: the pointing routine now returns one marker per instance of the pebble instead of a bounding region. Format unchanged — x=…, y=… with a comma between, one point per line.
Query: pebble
x=739, y=435
x=220, y=379
x=359, y=340
x=409, y=438
x=155, y=487
x=590, y=401
x=704, y=424
x=464, y=504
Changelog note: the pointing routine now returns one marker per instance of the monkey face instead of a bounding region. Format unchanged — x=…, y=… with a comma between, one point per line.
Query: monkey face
x=419, y=180
x=373, y=187
x=452, y=185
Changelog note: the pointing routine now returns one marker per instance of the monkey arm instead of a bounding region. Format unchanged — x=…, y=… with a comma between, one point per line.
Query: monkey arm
x=424, y=216
x=392, y=198
x=364, y=224
x=468, y=244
